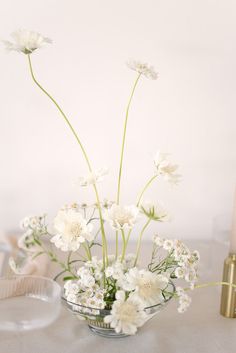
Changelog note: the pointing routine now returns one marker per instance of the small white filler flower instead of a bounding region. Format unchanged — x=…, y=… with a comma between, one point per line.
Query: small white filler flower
x=126, y=314
x=143, y=69
x=72, y=230
x=121, y=217
x=26, y=42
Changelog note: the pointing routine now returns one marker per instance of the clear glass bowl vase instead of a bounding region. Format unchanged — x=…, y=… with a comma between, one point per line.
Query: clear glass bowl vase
x=28, y=302
x=95, y=317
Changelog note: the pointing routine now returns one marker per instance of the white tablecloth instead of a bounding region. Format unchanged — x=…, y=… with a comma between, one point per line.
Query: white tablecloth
x=200, y=330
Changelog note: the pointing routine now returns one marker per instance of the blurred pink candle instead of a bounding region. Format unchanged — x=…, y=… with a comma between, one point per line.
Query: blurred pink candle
x=232, y=248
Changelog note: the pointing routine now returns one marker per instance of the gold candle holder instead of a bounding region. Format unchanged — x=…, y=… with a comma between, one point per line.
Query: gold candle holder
x=228, y=294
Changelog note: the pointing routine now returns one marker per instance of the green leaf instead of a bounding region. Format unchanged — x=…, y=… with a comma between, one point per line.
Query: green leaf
x=67, y=278
x=38, y=254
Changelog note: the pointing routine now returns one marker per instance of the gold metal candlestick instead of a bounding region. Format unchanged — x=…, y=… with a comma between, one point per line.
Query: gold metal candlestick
x=228, y=294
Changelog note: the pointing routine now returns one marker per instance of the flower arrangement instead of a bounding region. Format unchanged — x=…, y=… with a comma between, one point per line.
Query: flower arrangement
x=114, y=283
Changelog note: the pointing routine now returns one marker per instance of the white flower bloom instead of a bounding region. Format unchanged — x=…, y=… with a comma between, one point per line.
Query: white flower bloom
x=107, y=203
x=121, y=217
x=155, y=212
x=91, y=296
x=179, y=291
x=196, y=255
x=116, y=270
x=184, y=302
x=93, y=177
x=129, y=261
x=180, y=272
x=166, y=168
x=26, y=41
x=24, y=223
x=72, y=230
x=158, y=241
x=26, y=242
x=181, y=252
x=126, y=315
x=13, y=266
x=191, y=276
x=87, y=281
x=109, y=271
x=168, y=244
x=143, y=68
x=147, y=286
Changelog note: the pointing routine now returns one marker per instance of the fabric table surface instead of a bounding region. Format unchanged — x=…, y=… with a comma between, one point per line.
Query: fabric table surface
x=200, y=330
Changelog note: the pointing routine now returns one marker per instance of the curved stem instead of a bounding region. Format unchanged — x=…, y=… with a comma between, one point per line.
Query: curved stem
x=124, y=136
x=139, y=200
x=139, y=241
x=210, y=284
x=117, y=244
x=124, y=244
x=104, y=248
x=87, y=250
x=127, y=240
x=145, y=188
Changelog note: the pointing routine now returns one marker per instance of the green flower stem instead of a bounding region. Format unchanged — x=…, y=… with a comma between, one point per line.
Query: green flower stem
x=124, y=244
x=139, y=241
x=124, y=137
x=117, y=244
x=127, y=239
x=87, y=251
x=139, y=200
x=104, y=241
x=68, y=259
x=122, y=151
x=211, y=284
x=145, y=188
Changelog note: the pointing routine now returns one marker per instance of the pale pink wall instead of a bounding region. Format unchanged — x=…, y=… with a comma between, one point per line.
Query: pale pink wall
x=189, y=110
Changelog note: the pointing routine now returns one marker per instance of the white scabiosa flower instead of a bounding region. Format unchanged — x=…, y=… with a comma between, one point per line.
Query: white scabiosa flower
x=126, y=314
x=165, y=168
x=93, y=177
x=146, y=286
x=143, y=69
x=121, y=217
x=72, y=230
x=156, y=212
x=26, y=42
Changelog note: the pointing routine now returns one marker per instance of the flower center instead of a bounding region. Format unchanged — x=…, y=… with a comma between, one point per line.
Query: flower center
x=127, y=312
x=123, y=219
x=74, y=230
x=147, y=289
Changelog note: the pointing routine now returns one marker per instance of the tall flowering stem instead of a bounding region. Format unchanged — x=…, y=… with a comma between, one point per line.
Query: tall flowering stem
x=124, y=137
x=139, y=201
x=104, y=241
x=140, y=239
x=123, y=147
x=145, y=188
